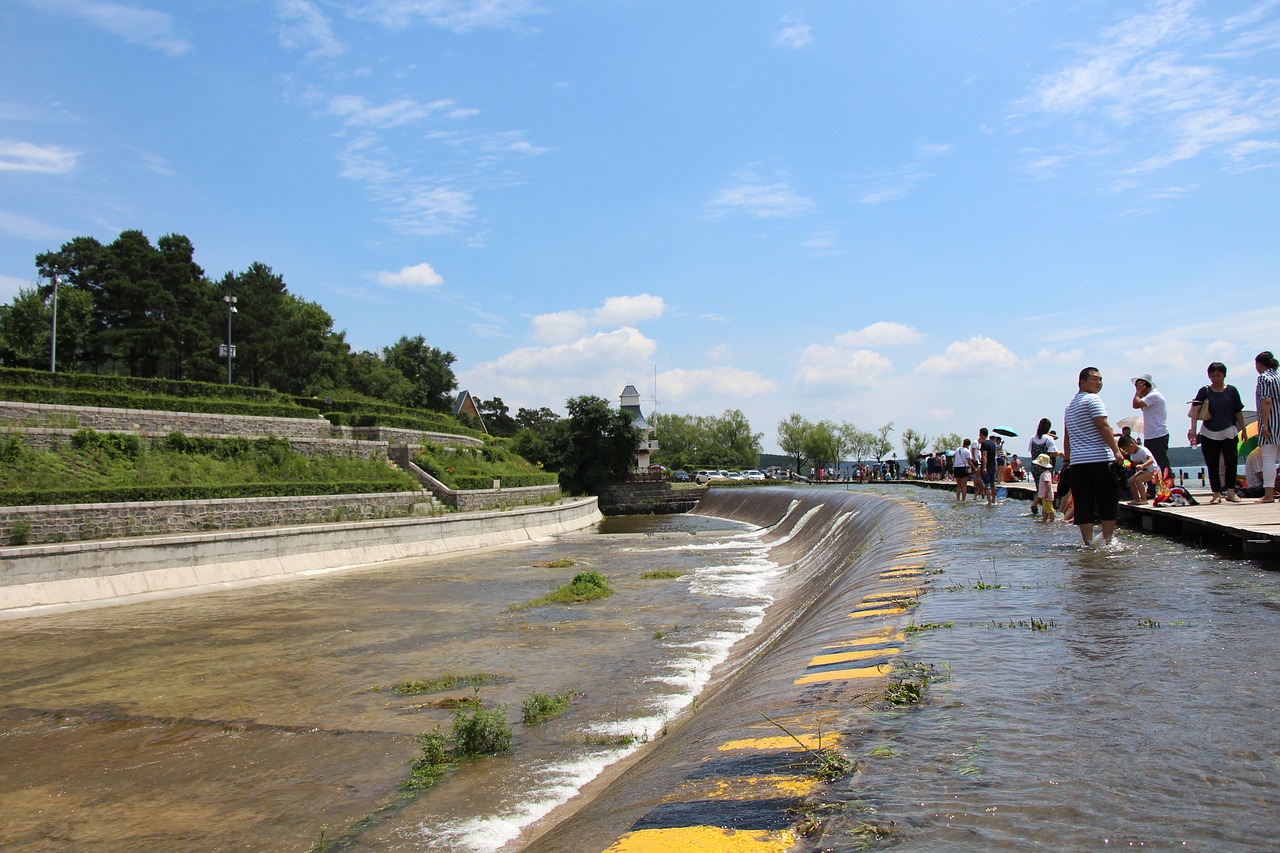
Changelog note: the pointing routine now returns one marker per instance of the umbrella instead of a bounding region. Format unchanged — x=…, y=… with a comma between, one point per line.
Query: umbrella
x=1133, y=422
x=1248, y=439
x=1005, y=431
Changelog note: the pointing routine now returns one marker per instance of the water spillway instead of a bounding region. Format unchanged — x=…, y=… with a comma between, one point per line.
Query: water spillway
x=1067, y=698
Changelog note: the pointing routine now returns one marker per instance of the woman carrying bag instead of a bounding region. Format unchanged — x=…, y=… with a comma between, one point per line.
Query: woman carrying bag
x=1217, y=413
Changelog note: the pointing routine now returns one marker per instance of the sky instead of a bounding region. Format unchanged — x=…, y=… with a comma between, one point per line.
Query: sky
x=926, y=213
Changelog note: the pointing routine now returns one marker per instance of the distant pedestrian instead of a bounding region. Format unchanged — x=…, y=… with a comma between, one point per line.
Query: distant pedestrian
x=1267, y=397
x=987, y=452
x=1089, y=447
x=1155, y=420
x=964, y=458
x=1044, y=486
x=1218, y=436
x=1042, y=444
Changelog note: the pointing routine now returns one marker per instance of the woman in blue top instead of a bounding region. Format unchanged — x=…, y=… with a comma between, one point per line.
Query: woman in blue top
x=1218, y=435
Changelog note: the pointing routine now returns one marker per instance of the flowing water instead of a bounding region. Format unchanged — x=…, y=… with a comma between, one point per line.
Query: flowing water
x=1079, y=699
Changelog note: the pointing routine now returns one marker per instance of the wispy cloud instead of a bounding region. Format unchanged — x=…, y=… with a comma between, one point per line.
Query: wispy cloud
x=755, y=196
x=305, y=27
x=458, y=15
x=1163, y=87
x=358, y=111
x=133, y=24
x=896, y=184
x=18, y=156
x=794, y=34
x=418, y=275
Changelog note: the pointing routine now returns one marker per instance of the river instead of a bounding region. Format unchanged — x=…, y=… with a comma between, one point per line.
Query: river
x=1079, y=699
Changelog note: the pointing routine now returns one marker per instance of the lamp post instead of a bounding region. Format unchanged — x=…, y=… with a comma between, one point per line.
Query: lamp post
x=53, y=334
x=231, y=351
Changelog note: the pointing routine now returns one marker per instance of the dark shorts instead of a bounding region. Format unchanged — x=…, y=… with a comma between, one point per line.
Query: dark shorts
x=1095, y=492
x=962, y=472
x=989, y=476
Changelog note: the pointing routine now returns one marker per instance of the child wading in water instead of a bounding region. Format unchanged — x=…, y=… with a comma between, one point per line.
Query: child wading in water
x=1044, y=487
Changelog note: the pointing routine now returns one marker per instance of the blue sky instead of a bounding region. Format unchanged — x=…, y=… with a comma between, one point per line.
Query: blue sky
x=931, y=213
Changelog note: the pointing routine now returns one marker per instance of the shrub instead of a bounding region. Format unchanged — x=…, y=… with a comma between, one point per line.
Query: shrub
x=481, y=731
x=542, y=706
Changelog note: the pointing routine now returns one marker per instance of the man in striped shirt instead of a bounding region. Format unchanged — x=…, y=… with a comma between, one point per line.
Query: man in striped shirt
x=1089, y=447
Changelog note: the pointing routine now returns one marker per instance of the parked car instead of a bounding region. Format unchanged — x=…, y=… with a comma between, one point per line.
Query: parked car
x=681, y=477
x=753, y=475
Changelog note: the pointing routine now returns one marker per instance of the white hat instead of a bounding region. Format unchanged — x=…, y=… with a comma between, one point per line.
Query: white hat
x=1145, y=377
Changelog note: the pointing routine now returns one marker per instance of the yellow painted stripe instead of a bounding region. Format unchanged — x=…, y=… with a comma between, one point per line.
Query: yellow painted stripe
x=844, y=674
x=785, y=743
x=900, y=575
x=885, y=636
x=844, y=657
x=745, y=788
x=704, y=839
x=889, y=596
x=879, y=611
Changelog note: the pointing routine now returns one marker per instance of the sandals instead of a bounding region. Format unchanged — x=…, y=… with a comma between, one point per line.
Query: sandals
x=1232, y=499
x=1216, y=499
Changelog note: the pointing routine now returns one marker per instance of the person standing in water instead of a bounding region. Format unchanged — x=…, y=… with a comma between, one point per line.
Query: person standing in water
x=1089, y=447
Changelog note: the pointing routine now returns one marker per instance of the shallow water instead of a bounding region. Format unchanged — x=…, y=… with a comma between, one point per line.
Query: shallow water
x=1139, y=710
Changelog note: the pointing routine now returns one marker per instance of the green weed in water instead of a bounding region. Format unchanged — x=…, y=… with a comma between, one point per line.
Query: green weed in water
x=539, y=707
x=586, y=586
x=662, y=574
x=449, y=681
x=913, y=628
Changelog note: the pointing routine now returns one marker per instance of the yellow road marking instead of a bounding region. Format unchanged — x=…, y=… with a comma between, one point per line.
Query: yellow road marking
x=885, y=636
x=785, y=743
x=748, y=788
x=844, y=674
x=704, y=839
x=878, y=611
x=844, y=657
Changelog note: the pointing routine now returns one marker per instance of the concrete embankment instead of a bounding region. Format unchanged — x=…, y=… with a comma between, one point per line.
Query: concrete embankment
x=46, y=578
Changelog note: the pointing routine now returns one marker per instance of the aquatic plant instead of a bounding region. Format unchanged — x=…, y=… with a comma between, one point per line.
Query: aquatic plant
x=1148, y=623
x=481, y=731
x=449, y=681
x=586, y=586
x=908, y=681
x=830, y=764
x=660, y=574
x=913, y=628
x=538, y=707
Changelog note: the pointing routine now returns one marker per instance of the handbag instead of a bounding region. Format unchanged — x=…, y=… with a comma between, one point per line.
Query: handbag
x=1201, y=412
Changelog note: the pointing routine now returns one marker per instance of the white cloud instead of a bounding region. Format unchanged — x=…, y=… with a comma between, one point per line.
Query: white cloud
x=418, y=275
x=134, y=25
x=1156, y=81
x=976, y=354
x=28, y=229
x=458, y=15
x=616, y=311
x=794, y=34
x=304, y=27
x=750, y=194
x=357, y=111
x=9, y=285
x=25, y=157
x=823, y=366
x=532, y=376
x=880, y=334
x=689, y=387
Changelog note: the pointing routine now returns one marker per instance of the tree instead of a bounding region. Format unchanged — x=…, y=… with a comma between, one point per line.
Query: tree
x=429, y=371
x=949, y=441
x=792, y=435
x=732, y=434
x=25, y=326
x=597, y=445
x=913, y=444
x=497, y=417
x=539, y=420
x=822, y=445
x=880, y=443
x=858, y=441
x=680, y=440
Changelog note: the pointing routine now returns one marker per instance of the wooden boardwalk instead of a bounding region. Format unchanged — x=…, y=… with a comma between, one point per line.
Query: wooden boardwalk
x=1244, y=529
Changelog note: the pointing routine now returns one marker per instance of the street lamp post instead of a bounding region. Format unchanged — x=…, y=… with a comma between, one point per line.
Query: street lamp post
x=231, y=351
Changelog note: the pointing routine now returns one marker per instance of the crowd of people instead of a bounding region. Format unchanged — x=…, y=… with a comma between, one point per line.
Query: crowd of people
x=1098, y=466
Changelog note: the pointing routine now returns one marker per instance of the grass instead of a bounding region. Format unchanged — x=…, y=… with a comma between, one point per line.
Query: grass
x=829, y=764
x=587, y=586
x=661, y=574
x=449, y=681
x=91, y=460
x=909, y=680
x=913, y=628
x=540, y=707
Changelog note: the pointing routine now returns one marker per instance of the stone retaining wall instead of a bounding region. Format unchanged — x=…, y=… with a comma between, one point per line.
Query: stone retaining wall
x=149, y=422
x=33, y=525
x=647, y=498
x=475, y=499
x=42, y=438
x=44, y=578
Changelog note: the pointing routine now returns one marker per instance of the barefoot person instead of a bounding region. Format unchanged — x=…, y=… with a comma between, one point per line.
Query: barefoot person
x=963, y=460
x=1089, y=447
x=1267, y=397
x=1143, y=471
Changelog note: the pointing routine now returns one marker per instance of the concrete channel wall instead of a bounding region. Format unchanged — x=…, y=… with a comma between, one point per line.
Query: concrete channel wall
x=42, y=578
